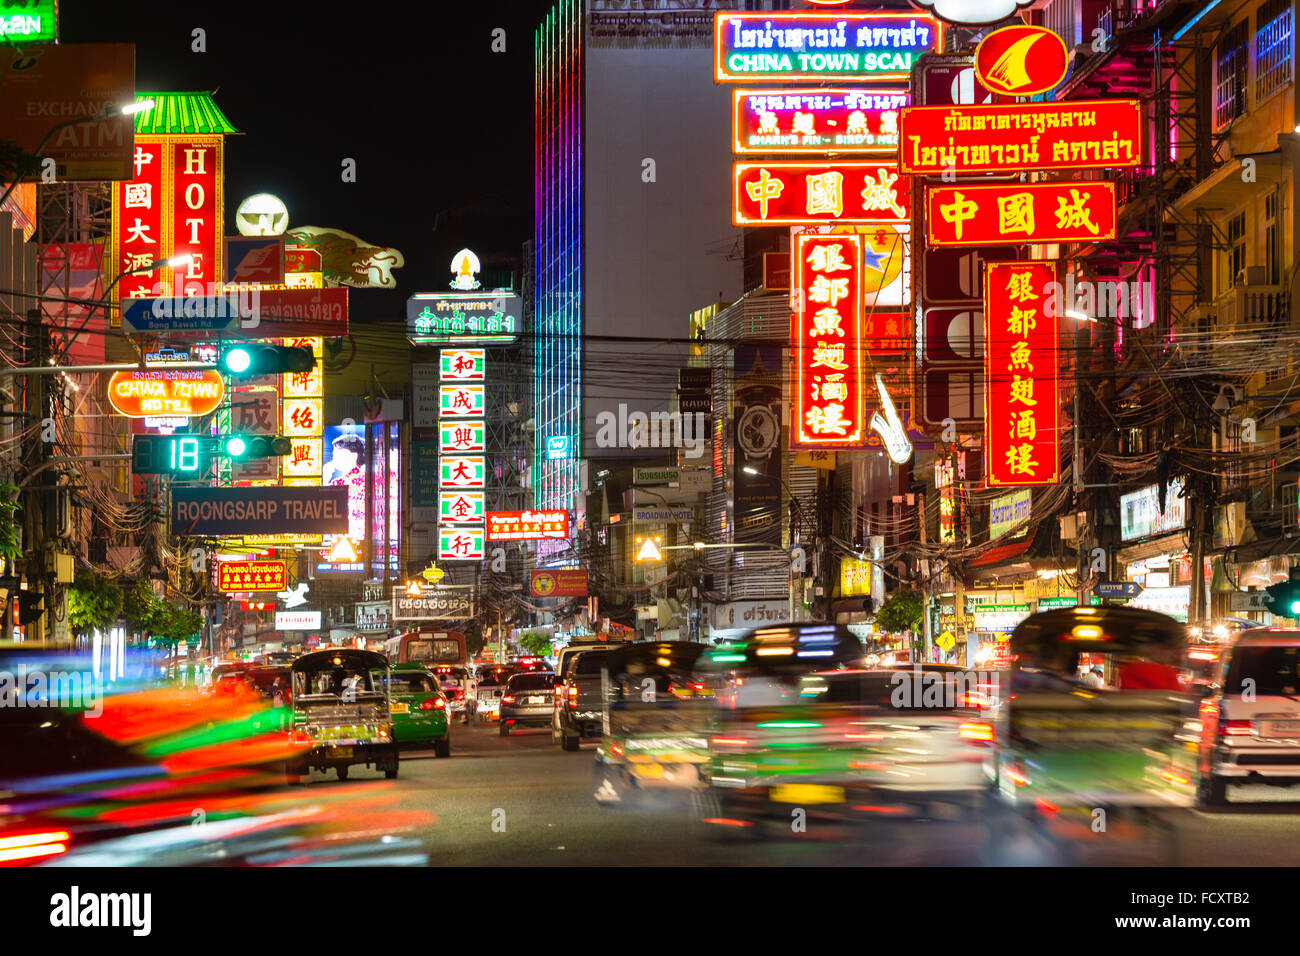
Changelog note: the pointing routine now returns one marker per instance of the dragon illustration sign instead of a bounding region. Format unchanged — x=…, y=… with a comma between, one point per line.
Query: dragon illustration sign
x=347, y=260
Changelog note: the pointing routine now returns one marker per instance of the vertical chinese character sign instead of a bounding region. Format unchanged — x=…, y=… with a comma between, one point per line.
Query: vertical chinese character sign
x=828, y=407
x=1022, y=418
x=172, y=207
x=461, y=522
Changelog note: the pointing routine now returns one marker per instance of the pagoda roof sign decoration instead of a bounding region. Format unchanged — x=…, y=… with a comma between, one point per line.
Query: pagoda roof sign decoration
x=178, y=114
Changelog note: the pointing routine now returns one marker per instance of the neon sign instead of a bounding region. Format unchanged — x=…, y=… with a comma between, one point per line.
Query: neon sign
x=1021, y=60
x=821, y=46
x=1091, y=134
x=819, y=120
x=1022, y=408
x=790, y=193
x=1028, y=212
x=181, y=393
x=827, y=410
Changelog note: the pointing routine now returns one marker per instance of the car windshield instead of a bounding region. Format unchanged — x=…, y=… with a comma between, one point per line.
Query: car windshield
x=1272, y=670
x=588, y=663
x=532, y=682
x=410, y=684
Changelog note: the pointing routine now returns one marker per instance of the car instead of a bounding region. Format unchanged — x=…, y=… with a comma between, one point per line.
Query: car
x=578, y=697
x=420, y=715
x=1250, y=721
x=527, y=701
x=487, y=697
x=456, y=683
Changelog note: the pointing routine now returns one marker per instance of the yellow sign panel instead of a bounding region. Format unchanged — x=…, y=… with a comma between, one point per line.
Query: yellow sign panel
x=280, y=540
x=855, y=577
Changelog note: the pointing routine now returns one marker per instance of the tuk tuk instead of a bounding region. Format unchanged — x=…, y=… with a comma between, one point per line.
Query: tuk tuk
x=654, y=721
x=342, y=713
x=1093, y=735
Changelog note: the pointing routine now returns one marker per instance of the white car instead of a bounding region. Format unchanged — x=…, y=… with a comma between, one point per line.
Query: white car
x=1250, y=723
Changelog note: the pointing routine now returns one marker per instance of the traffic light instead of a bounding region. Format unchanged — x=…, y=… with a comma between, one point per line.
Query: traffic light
x=255, y=446
x=251, y=360
x=1284, y=598
x=188, y=456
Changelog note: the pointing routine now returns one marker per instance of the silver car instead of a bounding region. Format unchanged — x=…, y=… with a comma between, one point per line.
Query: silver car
x=527, y=701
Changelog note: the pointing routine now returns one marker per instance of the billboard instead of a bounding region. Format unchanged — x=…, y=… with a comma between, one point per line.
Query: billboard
x=238, y=511
x=236, y=576
x=297, y=620
x=756, y=473
x=1030, y=212
x=49, y=84
x=346, y=466
x=828, y=405
x=1083, y=134
x=1022, y=414
x=527, y=525
x=461, y=544
x=434, y=604
x=1021, y=60
x=821, y=46
x=790, y=193
x=463, y=317
x=816, y=120
x=1140, y=515
x=560, y=583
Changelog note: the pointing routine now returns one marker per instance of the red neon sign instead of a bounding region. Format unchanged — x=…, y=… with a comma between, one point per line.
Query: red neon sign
x=1022, y=418
x=828, y=407
x=783, y=194
x=1021, y=60
x=250, y=576
x=138, y=237
x=1028, y=212
x=196, y=205
x=816, y=120
x=1090, y=134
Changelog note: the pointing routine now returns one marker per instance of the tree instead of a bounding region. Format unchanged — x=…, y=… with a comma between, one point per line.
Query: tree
x=901, y=611
x=535, y=643
x=92, y=603
x=11, y=545
x=148, y=614
x=16, y=163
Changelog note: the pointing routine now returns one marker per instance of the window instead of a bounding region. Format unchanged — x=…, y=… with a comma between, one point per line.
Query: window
x=1236, y=252
x=1272, y=47
x=1272, y=238
x=1230, y=71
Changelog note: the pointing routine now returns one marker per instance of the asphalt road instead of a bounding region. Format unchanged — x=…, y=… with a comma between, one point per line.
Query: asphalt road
x=521, y=801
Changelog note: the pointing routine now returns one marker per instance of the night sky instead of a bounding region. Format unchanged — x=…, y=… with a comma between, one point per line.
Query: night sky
x=412, y=92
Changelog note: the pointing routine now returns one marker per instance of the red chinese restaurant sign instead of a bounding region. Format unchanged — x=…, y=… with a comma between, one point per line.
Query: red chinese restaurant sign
x=828, y=407
x=816, y=120
x=778, y=193
x=1022, y=417
x=1012, y=138
x=527, y=525
x=1026, y=212
x=234, y=576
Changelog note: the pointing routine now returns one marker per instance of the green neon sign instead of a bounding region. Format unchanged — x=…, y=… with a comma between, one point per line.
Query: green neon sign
x=31, y=21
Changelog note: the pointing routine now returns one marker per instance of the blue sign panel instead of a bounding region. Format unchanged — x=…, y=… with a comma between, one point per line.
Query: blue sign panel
x=213, y=313
x=1117, y=589
x=557, y=446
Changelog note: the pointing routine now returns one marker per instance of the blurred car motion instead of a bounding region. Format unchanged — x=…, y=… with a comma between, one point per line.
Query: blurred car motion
x=1250, y=722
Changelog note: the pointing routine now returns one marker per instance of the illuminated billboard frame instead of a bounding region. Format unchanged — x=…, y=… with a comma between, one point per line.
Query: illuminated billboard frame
x=857, y=113
x=825, y=192
x=1029, y=212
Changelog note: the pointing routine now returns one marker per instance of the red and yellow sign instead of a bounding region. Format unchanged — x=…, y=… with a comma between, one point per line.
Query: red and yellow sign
x=1022, y=417
x=1012, y=138
x=1021, y=60
x=1020, y=212
x=527, y=525
x=816, y=120
x=828, y=407
x=561, y=583
x=170, y=393
x=234, y=576
x=780, y=193
x=173, y=206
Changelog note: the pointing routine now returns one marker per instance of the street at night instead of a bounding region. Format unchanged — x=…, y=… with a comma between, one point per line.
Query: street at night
x=467, y=446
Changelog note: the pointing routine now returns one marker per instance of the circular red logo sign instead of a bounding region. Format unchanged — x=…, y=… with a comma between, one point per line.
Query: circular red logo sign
x=1021, y=60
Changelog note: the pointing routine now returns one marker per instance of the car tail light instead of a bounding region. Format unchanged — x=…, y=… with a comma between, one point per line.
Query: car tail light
x=507, y=699
x=1236, y=728
x=31, y=846
x=431, y=703
x=573, y=696
x=976, y=732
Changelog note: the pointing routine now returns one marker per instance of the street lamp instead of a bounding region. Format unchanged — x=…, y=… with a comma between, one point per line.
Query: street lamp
x=127, y=109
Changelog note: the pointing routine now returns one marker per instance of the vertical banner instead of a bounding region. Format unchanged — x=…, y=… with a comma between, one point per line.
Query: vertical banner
x=377, y=446
x=139, y=215
x=196, y=212
x=1022, y=415
x=757, y=470
x=828, y=407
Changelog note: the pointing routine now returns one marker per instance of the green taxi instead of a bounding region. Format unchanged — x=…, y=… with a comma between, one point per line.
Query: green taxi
x=419, y=710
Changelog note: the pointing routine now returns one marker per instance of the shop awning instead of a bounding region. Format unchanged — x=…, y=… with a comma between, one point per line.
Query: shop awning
x=1002, y=553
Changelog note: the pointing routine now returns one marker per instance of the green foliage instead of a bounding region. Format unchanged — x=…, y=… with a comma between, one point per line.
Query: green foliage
x=93, y=603
x=901, y=611
x=11, y=545
x=535, y=643
x=148, y=614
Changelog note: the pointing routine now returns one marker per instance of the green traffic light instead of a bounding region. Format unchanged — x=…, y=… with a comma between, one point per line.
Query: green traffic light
x=238, y=361
x=1295, y=608
x=236, y=446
